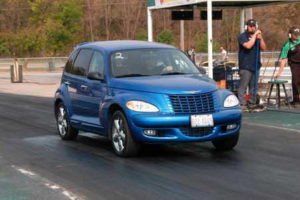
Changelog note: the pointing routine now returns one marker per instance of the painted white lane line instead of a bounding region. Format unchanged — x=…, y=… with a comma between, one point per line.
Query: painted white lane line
x=26, y=172
x=49, y=184
x=271, y=126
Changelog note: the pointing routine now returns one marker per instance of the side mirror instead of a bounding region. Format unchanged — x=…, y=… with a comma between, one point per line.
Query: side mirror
x=202, y=70
x=95, y=76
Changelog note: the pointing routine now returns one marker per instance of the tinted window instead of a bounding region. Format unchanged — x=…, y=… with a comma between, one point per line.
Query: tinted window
x=149, y=62
x=70, y=62
x=82, y=62
x=97, y=63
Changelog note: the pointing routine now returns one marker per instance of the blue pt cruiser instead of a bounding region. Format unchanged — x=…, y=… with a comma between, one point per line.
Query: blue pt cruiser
x=136, y=92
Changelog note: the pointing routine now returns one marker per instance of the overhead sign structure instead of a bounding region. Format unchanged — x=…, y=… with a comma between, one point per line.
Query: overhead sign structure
x=157, y=4
x=216, y=15
x=208, y=4
x=182, y=15
x=173, y=2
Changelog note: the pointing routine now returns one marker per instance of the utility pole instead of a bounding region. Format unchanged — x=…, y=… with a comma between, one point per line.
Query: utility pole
x=150, y=25
x=249, y=13
x=242, y=20
x=209, y=36
x=182, y=35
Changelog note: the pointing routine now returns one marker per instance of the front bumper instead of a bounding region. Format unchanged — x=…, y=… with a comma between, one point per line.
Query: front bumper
x=177, y=128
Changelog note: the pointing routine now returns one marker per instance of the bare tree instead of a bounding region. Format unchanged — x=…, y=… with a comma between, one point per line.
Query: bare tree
x=90, y=19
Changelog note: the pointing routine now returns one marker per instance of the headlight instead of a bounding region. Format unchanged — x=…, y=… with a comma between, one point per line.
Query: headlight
x=231, y=101
x=141, y=106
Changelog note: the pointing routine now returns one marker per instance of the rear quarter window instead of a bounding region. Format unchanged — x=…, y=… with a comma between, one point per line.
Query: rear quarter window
x=82, y=62
x=70, y=63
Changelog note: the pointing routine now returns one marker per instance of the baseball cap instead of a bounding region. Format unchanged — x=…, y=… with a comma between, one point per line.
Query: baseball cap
x=251, y=22
x=294, y=30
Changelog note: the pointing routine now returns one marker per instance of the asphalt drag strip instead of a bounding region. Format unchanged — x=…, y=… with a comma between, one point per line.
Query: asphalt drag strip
x=36, y=164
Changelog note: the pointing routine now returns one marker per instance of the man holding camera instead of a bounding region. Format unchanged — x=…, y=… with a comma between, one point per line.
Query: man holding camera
x=291, y=53
x=251, y=42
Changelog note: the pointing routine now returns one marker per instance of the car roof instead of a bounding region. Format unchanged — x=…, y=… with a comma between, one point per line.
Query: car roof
x=118, y=45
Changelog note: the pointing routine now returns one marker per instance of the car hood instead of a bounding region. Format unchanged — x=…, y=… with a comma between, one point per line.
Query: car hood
x=168, y=84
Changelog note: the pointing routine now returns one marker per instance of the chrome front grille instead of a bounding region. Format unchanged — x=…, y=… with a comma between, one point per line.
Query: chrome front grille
x=193, y=104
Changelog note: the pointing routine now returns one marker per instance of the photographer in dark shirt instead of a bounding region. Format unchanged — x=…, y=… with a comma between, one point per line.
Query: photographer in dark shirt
x=251, y=43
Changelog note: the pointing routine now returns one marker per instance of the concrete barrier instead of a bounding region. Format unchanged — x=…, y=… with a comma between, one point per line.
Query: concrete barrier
x=57, y=63
x=16, y=73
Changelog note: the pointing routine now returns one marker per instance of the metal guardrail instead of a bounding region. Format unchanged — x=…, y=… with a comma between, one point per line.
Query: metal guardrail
x=54, y=63
x=266, y=74
x=267, y=58
x=42, y=63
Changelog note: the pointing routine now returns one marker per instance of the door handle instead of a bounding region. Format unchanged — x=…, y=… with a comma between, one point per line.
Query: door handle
x=67, y=83
x=84, y=87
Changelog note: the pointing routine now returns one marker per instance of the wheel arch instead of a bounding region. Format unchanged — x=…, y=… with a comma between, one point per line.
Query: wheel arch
x=56, y=102
x=112, y=108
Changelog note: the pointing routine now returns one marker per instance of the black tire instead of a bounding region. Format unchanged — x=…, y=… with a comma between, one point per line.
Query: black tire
x=226, y=143
x=65, y=130
x=121, y=138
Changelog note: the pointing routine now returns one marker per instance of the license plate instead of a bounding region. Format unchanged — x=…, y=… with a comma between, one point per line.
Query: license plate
x=202, y=120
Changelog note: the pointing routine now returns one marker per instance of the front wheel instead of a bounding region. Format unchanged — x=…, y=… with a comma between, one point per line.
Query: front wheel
x=122, y=141
x=226, y=143
x=65, y=130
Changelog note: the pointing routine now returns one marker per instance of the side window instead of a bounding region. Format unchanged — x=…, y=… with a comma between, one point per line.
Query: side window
x=82, y=62
x=69, y=65
x=97, y=63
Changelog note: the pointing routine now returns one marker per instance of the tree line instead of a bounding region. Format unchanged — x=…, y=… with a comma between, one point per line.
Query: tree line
x=55, y=27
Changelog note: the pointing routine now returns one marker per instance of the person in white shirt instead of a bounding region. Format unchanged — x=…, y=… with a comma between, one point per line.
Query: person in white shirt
x=224, y=56
x=192, y=53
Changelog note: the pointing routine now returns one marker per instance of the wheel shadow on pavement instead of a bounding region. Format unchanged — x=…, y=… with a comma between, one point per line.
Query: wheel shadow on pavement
x=187, y=151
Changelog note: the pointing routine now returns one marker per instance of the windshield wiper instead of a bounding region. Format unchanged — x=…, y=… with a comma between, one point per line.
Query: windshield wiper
x=130, y=75
x=173, y=73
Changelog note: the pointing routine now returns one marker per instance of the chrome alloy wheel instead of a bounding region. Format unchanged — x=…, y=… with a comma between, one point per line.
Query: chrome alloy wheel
x=119, y=134
x=62, y=123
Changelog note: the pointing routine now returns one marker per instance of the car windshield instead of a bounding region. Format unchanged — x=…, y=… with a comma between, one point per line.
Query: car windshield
x=151, y=62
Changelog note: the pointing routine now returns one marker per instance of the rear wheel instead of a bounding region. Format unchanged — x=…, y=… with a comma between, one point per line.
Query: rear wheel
x=122, y=141
x=226, y=143
x=65, y=130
